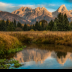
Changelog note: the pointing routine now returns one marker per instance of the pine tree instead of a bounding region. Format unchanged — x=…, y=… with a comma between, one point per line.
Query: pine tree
x=66, y=23
x=36, y=25
x=39, y=27
x=50, y=25
x=33, y=27
x=2, y=25
x=42, y=26
x=14, y=23
x=71, y=26
x=19, y=25
x=47, y=27
x=25, y=28
x=54, y=27
x=11, y=27
x=60, y=22
x=29, y=27
x=7, y=22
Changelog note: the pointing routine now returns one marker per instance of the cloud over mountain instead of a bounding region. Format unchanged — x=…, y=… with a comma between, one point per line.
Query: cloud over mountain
x=11, y=7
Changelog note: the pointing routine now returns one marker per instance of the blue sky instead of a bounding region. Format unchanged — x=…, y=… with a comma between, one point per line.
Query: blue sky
x=51, y=5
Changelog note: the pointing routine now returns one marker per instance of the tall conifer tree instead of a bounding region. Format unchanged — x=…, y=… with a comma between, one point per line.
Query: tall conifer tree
x=19, y=25
x=25, y=28
x=14, y=23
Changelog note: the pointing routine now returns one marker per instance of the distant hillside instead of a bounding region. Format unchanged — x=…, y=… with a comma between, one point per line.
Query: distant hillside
x=11, y=17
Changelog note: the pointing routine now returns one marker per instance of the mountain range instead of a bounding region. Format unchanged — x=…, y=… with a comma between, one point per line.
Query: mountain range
x=30, y=16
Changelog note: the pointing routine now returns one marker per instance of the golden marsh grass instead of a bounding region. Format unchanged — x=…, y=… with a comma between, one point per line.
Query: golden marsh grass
x=8, y=42
x=43, y=37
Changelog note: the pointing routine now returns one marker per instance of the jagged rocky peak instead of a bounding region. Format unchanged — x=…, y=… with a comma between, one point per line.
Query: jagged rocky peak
x=22, y=10
x=21, y=7
x=40, y=13
x=25, y=8
x=70, y=10
x=38, y=8
x=62, y=8
x=43, y=8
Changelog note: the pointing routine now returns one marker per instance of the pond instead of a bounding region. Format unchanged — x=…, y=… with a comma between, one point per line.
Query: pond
x=45, y=57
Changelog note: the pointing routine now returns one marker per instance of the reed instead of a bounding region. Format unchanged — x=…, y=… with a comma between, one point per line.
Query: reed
x=43, y=37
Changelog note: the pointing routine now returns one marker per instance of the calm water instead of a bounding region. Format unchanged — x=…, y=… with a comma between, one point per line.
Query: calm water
x=45, y=57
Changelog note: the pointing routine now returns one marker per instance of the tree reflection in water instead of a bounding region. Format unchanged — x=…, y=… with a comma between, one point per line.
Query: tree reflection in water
x=61, y=54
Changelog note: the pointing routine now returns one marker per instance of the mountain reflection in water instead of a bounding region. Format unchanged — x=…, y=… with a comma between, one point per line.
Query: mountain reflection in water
x=38, y=55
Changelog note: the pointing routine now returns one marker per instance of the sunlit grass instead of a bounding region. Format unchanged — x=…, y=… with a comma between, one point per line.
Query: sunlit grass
x=9, y=44
x=43, y=37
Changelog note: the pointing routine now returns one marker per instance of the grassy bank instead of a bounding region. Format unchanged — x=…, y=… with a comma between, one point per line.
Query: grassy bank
x=9, y=44
x=11, y=40
x=44, y=37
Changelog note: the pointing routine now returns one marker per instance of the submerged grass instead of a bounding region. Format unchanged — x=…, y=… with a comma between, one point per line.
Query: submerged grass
x=6, y=64
x=17, y=65
x=15, y=50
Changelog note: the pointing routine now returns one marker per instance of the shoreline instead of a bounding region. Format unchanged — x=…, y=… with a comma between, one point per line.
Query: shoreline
x=8, y=39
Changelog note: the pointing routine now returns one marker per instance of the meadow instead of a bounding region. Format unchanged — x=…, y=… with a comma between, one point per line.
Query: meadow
x=10, y=41
x=41, y=37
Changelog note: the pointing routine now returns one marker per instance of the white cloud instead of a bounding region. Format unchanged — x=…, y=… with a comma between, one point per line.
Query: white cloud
x=52, y=5
x=5, y=4
x=32, y=6
x=11, y=7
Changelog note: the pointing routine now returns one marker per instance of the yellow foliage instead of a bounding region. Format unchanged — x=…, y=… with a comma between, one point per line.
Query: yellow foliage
x=40, y=23
x=28, y=24
x=31, y=30
x=7, y=42
x=22, y=24
x=9, y=21
x=52, y=37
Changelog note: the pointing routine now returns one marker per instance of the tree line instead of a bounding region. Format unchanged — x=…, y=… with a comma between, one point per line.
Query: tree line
x=60, y=23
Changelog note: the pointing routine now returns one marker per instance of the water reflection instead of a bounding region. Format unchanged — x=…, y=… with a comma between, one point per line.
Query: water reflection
x=44, y=56
x=41, y=55
x=61, y=54
x=32, y=55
